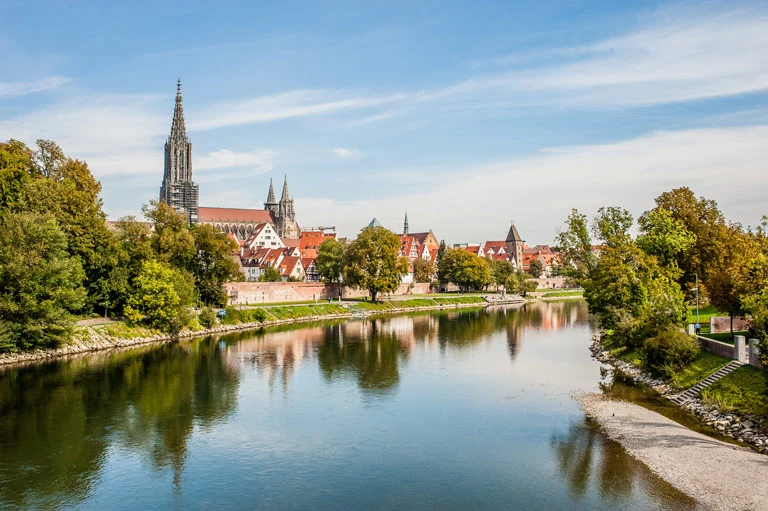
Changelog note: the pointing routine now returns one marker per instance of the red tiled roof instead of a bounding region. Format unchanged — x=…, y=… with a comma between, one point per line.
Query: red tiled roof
x=291, y=242
x=234, y=215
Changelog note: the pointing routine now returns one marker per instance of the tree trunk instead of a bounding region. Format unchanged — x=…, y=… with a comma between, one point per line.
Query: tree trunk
x=731, y=315
x=373, y=296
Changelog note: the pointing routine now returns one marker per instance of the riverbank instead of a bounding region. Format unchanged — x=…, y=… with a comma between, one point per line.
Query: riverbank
x=97, y=339
x=716, y=474
x=745, y=428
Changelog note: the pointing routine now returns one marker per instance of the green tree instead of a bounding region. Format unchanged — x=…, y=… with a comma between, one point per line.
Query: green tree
x=423, y=270
x=611, y=225
x=501, y=269
x=213, y=264
x=160, y=298
x=40, y=282
x=270, y=275
x=465, y=269
x=440, y=253
x=664, y=236
x=15, y=162
x=575, y=246
x=520, y=282
x=172, y=239
x=535, y=268
x=329, y=260
x=372, y=262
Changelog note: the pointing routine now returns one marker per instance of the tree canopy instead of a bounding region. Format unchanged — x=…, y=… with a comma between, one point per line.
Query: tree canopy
x=372, y=261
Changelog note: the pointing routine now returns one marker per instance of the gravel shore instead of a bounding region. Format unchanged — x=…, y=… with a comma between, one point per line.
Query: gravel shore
x=718, y=475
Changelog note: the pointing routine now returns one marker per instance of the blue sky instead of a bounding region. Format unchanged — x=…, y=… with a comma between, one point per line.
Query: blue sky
x=466, y=115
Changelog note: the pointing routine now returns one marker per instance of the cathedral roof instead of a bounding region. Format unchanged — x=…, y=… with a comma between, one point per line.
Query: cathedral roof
x=234, y=215
x=178, y=129
x=285, y=196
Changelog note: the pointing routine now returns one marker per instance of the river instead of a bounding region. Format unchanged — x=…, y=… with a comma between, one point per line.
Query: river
x=445, y=410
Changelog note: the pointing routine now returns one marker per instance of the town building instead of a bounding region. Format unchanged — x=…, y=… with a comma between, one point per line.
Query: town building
x=181, y=193
x=177, y=189
x=514, y=247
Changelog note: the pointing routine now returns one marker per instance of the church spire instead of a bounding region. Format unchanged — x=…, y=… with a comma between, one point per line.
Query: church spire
x=286, y=196
x=405, y=224
x=271, y=195
x=178, y=129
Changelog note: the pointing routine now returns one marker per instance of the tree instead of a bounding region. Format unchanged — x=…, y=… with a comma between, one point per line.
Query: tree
x=160, y=298
x=171, y=240
x=372, y=262
x=329, y=259
x=611, y=225
x=575, y=247
x=440, y=253
x=270, y=275
x=423, y=270
x=465, y=269
x=40, y=282
x=213, y=264
x=520, y=282
x=501, y=269
x=535, y=268
x=664, y=236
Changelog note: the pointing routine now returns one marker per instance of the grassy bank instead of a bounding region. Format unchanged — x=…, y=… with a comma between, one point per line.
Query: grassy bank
x=419, y=302
x=743, y=391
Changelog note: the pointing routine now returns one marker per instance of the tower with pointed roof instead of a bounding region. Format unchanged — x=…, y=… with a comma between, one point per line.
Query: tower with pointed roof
x=285, y=220
x=177, y=189
x=405, y=225
x=271, y=203
x=514, y=246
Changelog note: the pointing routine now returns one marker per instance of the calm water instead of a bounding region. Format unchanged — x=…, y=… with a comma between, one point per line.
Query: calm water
x=456, y=410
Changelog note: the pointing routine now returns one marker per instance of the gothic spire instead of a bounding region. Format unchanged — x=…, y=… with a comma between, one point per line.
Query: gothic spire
x=177, y=127
x=286, y=196
x=271, y=196
x=405, y=224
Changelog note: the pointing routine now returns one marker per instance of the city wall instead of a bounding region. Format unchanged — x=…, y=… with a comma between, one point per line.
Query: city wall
x=274, y=292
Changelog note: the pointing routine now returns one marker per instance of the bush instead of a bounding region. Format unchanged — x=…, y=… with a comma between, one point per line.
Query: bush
x=207, y=318
x=668, y=351
x=234, y=316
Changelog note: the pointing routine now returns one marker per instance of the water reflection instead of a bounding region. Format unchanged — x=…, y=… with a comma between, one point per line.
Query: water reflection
x=57, y=420
x=273, y=400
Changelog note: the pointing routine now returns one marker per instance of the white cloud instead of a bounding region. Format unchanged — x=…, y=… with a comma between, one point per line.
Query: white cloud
x=725, y=164
x=259, y=161
x=22, y=88
x=348, y=153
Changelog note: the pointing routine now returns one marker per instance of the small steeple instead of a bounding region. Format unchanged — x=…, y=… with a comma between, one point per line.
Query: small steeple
x=405, y=224
x=177, y=126
x=271, y=196
x=285, y=196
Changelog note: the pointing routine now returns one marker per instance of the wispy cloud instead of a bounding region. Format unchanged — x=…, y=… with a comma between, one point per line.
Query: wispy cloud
x=23, y=88
x=348, y=153
x=259, y=161
x=630, y=173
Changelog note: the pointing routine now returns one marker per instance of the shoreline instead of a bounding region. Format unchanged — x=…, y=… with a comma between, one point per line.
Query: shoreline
x=749, y=430
x=716, y=474
x=97, y=342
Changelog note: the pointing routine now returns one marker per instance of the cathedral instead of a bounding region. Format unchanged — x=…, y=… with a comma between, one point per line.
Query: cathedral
x=181, y=193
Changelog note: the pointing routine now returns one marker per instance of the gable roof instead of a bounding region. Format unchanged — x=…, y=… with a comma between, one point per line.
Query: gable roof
x=205, y=214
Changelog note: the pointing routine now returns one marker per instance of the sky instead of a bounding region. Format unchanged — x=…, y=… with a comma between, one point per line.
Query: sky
x=467, y=115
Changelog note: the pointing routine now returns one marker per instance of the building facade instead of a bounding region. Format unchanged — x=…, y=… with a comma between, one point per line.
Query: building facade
x=177, y=189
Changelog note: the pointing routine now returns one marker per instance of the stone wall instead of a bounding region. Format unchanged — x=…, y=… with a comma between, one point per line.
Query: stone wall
x=275, y=292
x=717, y=348
x=552, y=282
x=719, y=324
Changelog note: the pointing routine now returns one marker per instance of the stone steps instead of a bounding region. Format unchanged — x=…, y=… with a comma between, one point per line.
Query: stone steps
x=692, y=392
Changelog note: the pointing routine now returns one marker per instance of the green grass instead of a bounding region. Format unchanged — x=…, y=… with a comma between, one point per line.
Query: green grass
x=743, y=391
x=573, y=292
x=124, y=331
x=725, y=336
x=701, y=367
x=419, y=302
x=629, y=355
x=704, y=314
x=374, y=306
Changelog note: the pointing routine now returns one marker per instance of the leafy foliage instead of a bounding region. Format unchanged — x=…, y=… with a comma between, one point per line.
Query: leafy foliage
x=465, y=269
x=329, y=260
x=423, y=270
x=535, y=268
x=668, y=351
x=160, y=298
x=40, y=283
x=372, y=262
x=270, y=275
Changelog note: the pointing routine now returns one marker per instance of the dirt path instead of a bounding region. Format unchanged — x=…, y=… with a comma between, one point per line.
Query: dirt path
x=716, y=474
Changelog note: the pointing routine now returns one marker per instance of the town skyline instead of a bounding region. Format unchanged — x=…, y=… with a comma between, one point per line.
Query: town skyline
x=515, y=121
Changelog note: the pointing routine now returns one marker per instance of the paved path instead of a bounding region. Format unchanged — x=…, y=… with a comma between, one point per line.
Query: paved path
x=716, y=474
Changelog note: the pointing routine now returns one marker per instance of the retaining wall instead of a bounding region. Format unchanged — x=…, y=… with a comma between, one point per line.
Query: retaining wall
x=719, y=324
x=717, y=348
x=275, y=292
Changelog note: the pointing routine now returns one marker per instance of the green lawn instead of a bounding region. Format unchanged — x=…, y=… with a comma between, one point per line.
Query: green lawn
x=630, y=355
x=419, y=302
x=742, y=391
x=704, y=365
x=550, y=294
x=704, y=314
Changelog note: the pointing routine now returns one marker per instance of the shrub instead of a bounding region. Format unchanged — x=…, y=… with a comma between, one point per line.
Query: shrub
x=668, y=351
x=207, y=318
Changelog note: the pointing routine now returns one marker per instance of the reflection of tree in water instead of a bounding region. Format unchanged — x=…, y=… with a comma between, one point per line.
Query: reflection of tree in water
x=584, y=455
x=57, y=421
x=367, y=354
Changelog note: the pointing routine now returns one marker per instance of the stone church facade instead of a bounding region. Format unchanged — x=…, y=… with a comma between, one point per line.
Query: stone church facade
x=180, y=192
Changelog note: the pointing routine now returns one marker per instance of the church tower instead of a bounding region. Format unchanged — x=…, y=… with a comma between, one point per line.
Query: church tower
x=405, y=225
x=286, y=218
x=271, y=204
x=514, y=246
x=177, y=189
